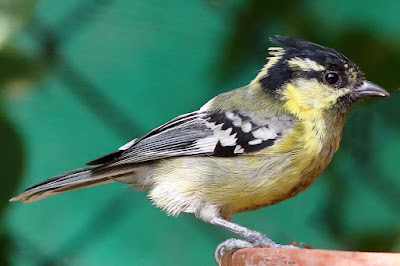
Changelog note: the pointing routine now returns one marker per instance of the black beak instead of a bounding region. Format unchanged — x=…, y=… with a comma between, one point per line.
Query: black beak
x=369, y=89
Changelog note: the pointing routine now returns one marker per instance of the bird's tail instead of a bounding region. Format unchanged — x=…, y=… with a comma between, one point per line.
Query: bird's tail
x=79, y=178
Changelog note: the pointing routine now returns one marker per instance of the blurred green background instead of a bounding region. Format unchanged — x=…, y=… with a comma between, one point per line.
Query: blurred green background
x=80, y=78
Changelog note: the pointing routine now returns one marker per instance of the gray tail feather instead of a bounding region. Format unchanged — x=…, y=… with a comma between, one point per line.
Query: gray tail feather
x=75, y=179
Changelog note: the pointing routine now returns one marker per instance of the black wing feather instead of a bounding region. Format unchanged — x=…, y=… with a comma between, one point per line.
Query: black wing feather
x=199, y=133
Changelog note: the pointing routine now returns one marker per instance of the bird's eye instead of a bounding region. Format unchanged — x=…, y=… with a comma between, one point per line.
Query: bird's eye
x=331, y=78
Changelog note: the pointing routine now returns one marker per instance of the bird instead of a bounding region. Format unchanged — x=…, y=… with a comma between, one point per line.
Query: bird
x=244, y=149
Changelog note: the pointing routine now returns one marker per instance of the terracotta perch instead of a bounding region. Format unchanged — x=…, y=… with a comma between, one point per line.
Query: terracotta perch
x=308, y=257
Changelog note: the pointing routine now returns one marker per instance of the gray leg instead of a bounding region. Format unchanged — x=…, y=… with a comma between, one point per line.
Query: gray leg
x=253, y=238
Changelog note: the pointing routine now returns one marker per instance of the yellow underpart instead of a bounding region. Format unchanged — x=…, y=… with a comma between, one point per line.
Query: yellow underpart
x=244, y=182
x=305, y=64
x=308, y=100
x=251, y=181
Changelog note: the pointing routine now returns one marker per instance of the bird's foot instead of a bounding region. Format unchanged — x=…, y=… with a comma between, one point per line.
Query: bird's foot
x=228, y=245
x=261, y=240
x=256, y=239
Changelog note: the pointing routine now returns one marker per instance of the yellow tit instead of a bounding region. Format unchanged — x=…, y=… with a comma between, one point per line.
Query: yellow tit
x=244, y=149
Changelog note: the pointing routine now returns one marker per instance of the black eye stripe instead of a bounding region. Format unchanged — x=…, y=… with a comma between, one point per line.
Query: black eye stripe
x=282, y=73
x=277, y=76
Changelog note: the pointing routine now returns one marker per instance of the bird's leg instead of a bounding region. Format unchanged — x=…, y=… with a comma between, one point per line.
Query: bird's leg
x=253, y=238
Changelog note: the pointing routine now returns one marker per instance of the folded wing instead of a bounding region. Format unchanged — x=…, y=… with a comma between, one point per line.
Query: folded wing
x=201, y=133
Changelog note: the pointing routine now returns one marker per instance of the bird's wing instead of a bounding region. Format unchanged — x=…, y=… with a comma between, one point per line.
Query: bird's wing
x=212, y=133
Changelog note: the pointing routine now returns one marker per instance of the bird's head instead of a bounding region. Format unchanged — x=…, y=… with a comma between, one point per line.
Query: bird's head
x=309, y=77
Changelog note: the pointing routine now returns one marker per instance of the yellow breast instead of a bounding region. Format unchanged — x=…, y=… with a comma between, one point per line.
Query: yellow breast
x=281, y=171
x=248, y=181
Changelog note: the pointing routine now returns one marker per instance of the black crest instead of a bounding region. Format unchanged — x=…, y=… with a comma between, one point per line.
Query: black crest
x=305, y=49
x=280, y=72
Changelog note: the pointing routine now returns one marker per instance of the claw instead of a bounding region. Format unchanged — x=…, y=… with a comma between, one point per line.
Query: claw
x=233, y=244
x=253, y=238
x=229, y=245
